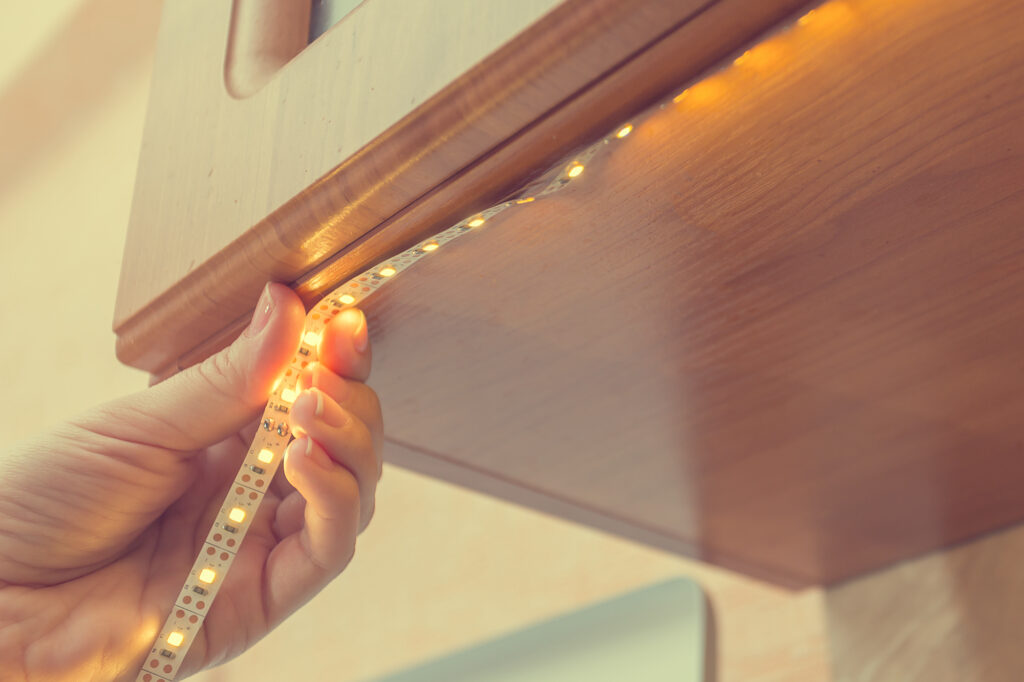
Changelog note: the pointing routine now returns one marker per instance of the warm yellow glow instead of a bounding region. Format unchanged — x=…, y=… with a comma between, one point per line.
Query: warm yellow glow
x=525, y=201
x=706, y=91
x=476, y=222
x=681, y=96
x=175, y=639
x=742, y=58
x=387, y=271
x=288, y=395
x=576, y=169
x=276, y=384
x=311, y=338
x=265, y=456
x=765, y=55
x=830, y=15
x=432, y=246
x=624, y=130
x=207, y=575
x=347, y=299
x=237, y=514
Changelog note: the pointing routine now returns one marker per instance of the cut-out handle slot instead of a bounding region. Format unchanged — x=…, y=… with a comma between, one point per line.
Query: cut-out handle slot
x=265, y=35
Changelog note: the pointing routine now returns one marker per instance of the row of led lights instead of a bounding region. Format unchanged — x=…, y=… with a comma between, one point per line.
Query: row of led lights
x=573, y=171
x=207, y=575
x=576, y=168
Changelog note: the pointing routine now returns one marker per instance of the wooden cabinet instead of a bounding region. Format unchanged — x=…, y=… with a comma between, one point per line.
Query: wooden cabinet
x=776, y=328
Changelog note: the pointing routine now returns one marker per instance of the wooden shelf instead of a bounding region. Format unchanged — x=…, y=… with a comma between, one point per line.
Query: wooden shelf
x=776, y=329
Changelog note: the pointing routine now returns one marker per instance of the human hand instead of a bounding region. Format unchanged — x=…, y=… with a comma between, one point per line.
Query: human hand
x=102, y=517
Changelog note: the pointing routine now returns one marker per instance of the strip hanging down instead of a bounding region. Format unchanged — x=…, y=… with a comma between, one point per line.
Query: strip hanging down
x=264, y=456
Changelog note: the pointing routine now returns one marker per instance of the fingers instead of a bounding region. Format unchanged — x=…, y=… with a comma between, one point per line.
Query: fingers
x=304, y=562
x=354, y=396
x=209, y=401
x=345, y=348
x=344, y=438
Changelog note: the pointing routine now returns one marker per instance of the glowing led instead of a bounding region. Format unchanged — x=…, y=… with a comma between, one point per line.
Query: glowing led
x=347, y=299
x=707, y=91
x=624, y=130
x=311, y=338
x=476, y=222
x=742, y=58
x=276, y=384
x=525, y=201
x=265, y=456
x=288, y=395
x=805, y=19
x=432, y=246
x=237, y=514
x=387, y=271
x=681, y=96
x=207, y=575
x=175, y=638
x=575, y=170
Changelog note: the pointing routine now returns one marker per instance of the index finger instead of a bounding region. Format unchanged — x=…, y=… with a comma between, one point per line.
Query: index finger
x=345, y=345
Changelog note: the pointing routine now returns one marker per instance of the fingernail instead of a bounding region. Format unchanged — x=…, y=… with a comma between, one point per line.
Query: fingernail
x=319, y=404
x=264, y=307
x=309, y=446
x=356, y=321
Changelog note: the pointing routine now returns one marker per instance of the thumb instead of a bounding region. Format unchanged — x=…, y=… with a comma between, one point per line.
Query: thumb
x=208, y=402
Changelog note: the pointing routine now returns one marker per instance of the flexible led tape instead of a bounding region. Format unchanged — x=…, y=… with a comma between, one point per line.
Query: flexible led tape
x=273, y=434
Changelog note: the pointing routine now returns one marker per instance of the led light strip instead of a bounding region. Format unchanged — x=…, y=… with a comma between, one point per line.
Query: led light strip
x=273, y=435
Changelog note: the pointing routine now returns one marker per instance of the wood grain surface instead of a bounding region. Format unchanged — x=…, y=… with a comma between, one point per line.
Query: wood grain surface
x=780, y=322
x=777, y=327
x=233, y=192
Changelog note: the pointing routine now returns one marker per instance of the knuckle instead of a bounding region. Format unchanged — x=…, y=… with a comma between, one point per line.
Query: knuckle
x=219, y=374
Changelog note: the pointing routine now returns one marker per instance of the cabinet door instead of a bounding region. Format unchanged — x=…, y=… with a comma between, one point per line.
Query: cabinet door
x=776, y=327
x=263, y=160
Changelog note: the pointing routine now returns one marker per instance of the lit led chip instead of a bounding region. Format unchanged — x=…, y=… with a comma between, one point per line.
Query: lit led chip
x=347, y=299
x=207, y=575
x=288, y=395
x=175, y=639
x=237, y=514
x=476, y=222
x=265, y=456
x=311, y=338
x=624, y=130
x=432, y=246
x=575, y=170
x=387, y=271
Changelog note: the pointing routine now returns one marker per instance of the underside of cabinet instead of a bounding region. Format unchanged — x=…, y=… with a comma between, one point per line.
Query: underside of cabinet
x=776, y=328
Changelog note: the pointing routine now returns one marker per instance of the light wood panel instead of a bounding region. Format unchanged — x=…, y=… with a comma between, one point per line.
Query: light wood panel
x=233, y=192
x=779, y=323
